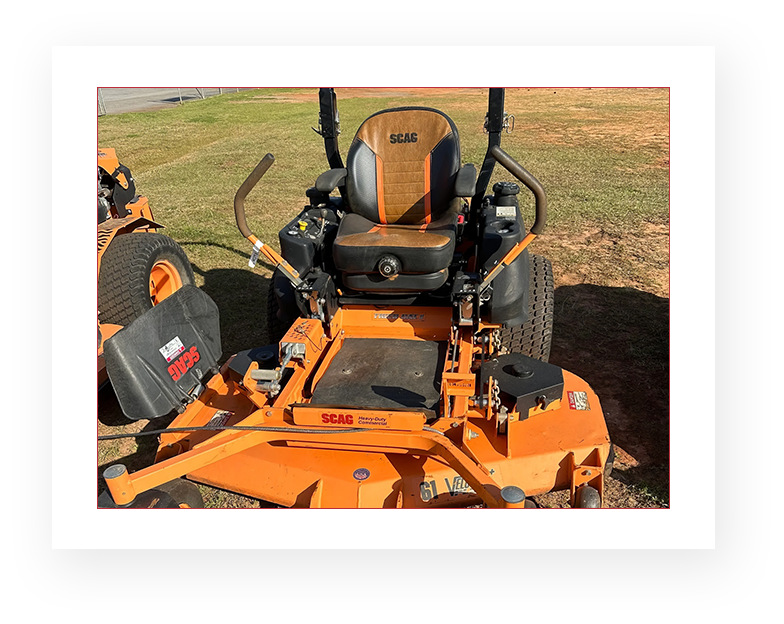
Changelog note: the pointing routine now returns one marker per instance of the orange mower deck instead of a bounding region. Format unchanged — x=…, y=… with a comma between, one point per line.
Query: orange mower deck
x=354, y=457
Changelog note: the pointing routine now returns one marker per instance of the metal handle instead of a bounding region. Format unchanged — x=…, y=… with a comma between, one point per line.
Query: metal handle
x=247, y=186
x=533, y=185
x=239, y=212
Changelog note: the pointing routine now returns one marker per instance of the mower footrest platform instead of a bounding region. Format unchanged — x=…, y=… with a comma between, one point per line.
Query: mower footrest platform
x=383, y=373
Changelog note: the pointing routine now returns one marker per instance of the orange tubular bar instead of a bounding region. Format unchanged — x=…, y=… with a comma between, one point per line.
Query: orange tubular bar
x=510, y=257
x=424, y=442
x=273, y=256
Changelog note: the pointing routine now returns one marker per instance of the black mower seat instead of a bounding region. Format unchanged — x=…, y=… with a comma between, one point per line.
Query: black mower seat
x=404, y=183
x=360, y=244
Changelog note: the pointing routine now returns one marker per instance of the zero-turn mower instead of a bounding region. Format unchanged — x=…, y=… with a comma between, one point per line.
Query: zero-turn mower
x=137, y=267
x=413, y=331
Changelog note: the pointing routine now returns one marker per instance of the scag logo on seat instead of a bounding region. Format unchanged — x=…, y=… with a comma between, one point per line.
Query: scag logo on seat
x=337, y=419
x=408, y=137
x=183, y=363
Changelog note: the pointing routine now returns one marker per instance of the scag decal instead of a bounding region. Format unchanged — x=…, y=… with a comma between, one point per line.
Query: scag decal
x=337, y=419
x=408, y=137
x=184, y=363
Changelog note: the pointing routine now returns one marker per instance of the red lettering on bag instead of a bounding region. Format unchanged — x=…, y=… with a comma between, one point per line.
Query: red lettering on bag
x=182, y=364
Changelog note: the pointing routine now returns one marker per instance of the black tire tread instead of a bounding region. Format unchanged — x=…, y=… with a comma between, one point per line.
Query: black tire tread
x=534, y=337
x=123, y=281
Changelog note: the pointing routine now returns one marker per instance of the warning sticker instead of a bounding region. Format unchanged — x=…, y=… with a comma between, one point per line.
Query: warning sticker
x=506, y=212
x=220, y=418
x=172, y=349
x=578, y=400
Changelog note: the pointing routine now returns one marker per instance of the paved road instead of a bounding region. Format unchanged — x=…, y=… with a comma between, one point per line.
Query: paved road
x=135, y=100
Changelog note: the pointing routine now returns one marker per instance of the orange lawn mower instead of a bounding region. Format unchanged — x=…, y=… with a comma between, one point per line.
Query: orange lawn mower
x=413, y=331
x=137, y=267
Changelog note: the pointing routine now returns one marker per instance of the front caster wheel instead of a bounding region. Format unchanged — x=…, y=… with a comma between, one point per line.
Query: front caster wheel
x=587, y=497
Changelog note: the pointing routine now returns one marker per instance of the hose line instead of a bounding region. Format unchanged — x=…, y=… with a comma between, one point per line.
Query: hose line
x=119, y=436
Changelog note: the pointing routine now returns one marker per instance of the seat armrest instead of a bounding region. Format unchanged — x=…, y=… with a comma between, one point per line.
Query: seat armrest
x=465, y=182
x=330, y=180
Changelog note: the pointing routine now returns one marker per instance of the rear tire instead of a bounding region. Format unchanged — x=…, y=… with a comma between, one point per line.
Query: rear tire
x=138, y=270
x=534, y=337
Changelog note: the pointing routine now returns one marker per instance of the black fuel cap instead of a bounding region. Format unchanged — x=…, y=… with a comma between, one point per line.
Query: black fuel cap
x=522, y=370
x=505, y=188
x=505, y=193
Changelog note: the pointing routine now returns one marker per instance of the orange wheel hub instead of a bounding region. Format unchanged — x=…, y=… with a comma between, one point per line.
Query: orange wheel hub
x=164, y=280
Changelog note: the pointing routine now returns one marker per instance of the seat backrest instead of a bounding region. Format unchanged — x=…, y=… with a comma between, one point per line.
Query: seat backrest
x=402, y=166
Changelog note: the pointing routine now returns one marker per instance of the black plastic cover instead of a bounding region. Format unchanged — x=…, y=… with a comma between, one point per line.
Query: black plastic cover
x=329, y=180
x=509, y=302
x=266, y=357
x=404, y=283
x=156, y=362
x=121, y=197
x=525, y=379
x=304, y=249
x=465, y=183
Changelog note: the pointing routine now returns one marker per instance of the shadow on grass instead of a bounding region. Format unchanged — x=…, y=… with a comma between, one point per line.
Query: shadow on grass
x=617, y=339
x=144, y=455
x=245, y=255
x=241, y=297
x=110, y=414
